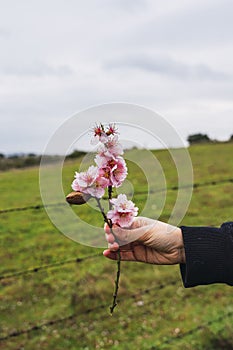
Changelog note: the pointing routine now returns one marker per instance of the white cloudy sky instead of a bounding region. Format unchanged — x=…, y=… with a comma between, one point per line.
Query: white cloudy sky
x=61, y=56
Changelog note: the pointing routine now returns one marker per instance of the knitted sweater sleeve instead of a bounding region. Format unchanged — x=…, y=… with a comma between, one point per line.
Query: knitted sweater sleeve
x=209, y=255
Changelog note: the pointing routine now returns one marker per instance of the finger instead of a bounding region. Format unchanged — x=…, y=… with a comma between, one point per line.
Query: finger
x=140, y=221
x=120, y=234
x=125, y=255
x=107, y=228
x=109, y=254
x=110, y=238
x=126, y=235
x=112, y=234
x=113, y=246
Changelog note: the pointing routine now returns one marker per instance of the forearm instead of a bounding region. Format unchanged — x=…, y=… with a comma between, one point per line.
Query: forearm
x=208, y=255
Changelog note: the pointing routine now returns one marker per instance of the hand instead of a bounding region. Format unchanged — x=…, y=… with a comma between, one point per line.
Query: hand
x=149, y=241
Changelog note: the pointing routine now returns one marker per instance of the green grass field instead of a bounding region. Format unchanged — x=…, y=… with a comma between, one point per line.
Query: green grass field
x=66, y=306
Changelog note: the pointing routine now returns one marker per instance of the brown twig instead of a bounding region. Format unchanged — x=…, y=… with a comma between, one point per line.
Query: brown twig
x=114, y=301
x=109, y=223
x=110, y=196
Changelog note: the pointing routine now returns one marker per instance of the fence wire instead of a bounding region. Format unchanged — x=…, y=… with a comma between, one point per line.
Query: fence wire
x=77, y=260
x=48, y=266
x=52, y=322
x=173, y=188
x=193, y=330
x=166, y=341
x=85, y=312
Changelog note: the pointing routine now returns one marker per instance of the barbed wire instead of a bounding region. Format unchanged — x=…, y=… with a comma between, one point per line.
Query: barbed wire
x=32, y=207
x=77, y=260
x=48, y=266
x=194, y=185
x=93, y=256
x=87, y=311
x=169, y=340
x=173, y=188
x=193, y=330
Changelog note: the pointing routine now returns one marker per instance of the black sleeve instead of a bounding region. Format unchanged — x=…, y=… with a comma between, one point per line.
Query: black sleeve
x=209, y=255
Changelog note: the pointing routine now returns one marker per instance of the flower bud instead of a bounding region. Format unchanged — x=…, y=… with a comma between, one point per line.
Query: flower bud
x=77, y=198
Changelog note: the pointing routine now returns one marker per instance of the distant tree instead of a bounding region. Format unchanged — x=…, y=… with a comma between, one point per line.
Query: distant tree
x=76, y=154
x=14, y=156
x=198, y=138
x=31, y=155
x=231, y=138
x=2, y=155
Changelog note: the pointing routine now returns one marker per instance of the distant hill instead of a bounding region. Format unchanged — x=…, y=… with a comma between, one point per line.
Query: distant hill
x=21, y=160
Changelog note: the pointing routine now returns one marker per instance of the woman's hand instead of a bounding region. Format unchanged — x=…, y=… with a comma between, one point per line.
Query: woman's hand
x=149, y=241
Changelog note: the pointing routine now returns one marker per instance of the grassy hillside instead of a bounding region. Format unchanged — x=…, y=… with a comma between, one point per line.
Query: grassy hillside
x=72, y=299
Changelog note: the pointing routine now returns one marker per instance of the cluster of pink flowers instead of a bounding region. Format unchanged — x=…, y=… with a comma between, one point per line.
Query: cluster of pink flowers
x=90, y=182
x=123, y=211
x=110, y=171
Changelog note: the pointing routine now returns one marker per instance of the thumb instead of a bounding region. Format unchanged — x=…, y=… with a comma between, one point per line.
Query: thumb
x=127, y=235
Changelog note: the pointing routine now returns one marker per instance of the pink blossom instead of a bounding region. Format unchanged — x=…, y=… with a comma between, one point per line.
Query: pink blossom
x=75, y=185
x=90, y=182
x=113, y=169
x=99, y=135
x=112, y=148
x=123, y=211
x=112, y=130
x=119, y=172
x=102, y=161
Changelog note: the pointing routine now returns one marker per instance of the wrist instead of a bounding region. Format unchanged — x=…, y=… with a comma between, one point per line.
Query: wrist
x=180, y=247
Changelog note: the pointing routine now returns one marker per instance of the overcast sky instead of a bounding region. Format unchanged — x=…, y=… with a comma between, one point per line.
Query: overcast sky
x=61, y=56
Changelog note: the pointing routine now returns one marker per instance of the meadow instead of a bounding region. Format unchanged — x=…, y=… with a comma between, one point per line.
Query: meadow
x=55, y=293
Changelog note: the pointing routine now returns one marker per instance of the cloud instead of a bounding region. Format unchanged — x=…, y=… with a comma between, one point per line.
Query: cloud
x=174, y=57
x=36, y=69
x=167, y=66
x=126, y=5
x=4, y=33
x=195, y=25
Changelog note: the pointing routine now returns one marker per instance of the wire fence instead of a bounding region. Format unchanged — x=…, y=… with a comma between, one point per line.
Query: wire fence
x=168, y=340
x=85, y=312
x=173, y=188
x=48, y=266
x=31, y=207
x=191, y=331
x=80, y=259
x=77, y=260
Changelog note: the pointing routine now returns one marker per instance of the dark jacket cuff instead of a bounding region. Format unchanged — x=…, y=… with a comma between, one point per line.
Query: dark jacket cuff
x=209, y=255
